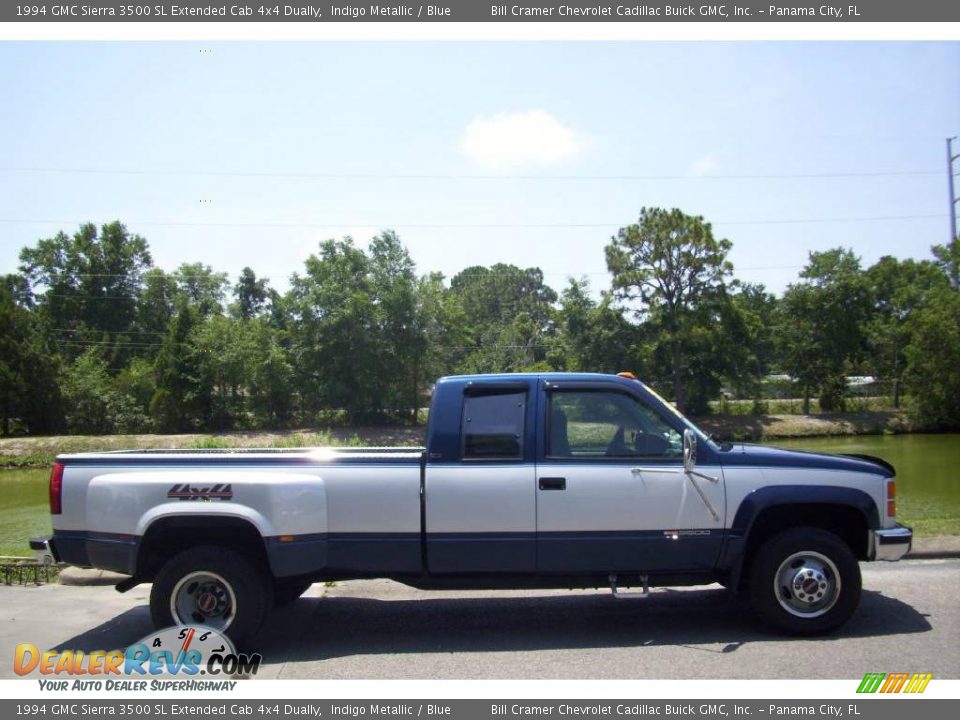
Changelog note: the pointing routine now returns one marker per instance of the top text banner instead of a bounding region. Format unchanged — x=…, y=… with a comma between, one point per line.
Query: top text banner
x=893, y=11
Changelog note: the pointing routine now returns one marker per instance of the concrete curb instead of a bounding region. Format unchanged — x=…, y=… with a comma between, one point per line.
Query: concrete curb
x=942, y=546
x=88, y=576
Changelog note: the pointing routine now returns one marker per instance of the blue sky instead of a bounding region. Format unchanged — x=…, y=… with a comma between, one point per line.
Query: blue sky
x=238, y=154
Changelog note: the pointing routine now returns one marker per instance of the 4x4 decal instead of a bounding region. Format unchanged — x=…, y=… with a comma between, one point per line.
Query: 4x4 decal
x=183, y=491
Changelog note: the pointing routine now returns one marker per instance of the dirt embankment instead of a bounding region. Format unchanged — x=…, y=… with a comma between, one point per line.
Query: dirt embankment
x=40, y=451
x=769, y=427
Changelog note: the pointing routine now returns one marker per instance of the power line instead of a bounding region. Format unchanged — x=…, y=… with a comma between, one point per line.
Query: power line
x=115, y=332
x=86, y=298
x=97, y=343
x=953, y=199
x=458, y=176
x=488, y=273
x=481, y=346
x=474, y=226
x=149, y=274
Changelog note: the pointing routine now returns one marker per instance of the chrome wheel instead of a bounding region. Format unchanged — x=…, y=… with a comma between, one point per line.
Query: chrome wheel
x=807, y=584
x=203, y=598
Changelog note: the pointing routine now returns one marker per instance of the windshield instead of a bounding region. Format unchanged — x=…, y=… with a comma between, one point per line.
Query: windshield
x=685, y=420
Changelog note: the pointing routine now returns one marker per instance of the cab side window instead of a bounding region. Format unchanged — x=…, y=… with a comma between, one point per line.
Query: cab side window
x=588, y=424
x=492, y=426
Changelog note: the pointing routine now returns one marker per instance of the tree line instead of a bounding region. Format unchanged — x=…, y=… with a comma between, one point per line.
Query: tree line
x=94, y=338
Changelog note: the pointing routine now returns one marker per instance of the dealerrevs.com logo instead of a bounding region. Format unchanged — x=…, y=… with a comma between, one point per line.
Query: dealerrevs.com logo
x=894, y=682
x=184, y=651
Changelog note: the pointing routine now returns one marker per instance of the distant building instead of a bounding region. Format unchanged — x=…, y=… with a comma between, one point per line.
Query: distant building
x=861, y=384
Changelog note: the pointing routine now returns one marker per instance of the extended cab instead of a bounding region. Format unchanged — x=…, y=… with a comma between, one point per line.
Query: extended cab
x=551, y=480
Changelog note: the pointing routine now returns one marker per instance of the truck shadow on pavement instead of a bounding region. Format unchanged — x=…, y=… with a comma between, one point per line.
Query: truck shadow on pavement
x=115, y=634
x=302, y=632
x=313, y=629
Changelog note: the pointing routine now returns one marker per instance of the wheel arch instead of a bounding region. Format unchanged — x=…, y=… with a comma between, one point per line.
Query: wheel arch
x=848, y=513
x=168, y=536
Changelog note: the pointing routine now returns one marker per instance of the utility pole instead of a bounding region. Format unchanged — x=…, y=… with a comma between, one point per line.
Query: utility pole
x=953, y=198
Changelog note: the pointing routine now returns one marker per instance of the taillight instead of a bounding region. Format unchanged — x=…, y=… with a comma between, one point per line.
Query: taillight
x=891, y=498
x=56, y=489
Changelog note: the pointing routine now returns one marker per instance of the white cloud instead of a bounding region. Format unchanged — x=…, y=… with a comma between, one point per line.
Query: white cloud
x=704, y=166
x=507, y=141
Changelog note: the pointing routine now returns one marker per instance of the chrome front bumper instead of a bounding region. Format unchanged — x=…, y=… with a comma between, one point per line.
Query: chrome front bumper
x=891, y=543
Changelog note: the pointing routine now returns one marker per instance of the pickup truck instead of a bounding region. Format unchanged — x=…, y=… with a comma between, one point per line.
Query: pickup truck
x=547, y=480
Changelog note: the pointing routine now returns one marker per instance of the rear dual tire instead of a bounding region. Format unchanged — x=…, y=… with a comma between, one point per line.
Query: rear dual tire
x=215, y=587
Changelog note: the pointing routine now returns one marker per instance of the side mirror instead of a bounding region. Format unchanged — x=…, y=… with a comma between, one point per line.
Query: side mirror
x=689, y=450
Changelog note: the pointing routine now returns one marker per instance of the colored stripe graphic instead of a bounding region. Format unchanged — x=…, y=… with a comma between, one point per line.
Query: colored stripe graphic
x=918, y=682
x=895, y=682
x=870, y=683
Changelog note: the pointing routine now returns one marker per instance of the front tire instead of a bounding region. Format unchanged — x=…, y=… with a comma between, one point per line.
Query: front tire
x=211, y=586
x=805, y=581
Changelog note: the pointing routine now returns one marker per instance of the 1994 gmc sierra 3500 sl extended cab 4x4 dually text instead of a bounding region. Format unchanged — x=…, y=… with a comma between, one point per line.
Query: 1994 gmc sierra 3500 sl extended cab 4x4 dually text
x=553, y=480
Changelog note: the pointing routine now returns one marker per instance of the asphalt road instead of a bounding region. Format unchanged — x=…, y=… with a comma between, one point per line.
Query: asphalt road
x=909, y=620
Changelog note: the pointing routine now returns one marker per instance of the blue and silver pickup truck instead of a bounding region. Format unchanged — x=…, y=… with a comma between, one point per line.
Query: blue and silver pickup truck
x=553, y=480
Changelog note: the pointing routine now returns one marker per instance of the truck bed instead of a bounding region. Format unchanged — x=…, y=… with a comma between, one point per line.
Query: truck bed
x=317, y=455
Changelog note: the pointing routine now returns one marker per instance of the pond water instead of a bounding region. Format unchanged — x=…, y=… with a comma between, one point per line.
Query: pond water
x=928, y=469
x=928, y=483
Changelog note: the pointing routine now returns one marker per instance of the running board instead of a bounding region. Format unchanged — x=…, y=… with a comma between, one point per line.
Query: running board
x=622, y=595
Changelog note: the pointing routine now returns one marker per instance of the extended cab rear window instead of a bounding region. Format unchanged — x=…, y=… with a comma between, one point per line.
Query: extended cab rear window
x=492, y=426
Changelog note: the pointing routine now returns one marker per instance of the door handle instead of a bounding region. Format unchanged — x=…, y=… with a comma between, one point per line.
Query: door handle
x=553, y=483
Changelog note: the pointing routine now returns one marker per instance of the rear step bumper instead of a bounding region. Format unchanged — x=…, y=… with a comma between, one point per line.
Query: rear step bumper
x=43, y=550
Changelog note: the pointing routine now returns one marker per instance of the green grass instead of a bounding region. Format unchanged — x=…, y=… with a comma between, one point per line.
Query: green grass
x=24, y=510
x=29, y=460
x=21, y=524
x=293, y=440
x=26, y=452
x=794, y=406
x=210, y=443
x=590, y=435
x=928, y=517
x=316, y=439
